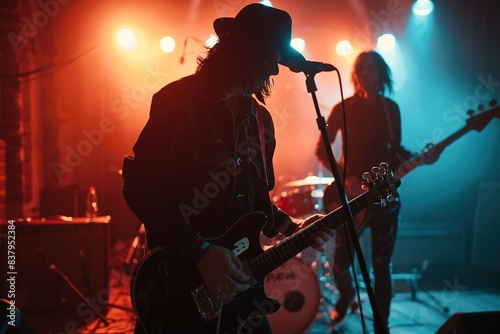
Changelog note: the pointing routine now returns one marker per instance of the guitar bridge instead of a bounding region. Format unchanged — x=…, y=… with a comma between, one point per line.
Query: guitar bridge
x=206, y=306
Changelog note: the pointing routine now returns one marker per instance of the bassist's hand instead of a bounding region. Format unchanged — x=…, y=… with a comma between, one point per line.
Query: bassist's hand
x=431, y=154
x=222, y=272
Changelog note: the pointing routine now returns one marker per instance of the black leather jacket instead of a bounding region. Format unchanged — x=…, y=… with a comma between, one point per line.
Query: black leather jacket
x=196, y=168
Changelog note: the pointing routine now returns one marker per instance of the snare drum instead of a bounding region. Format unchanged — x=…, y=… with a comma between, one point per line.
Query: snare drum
x=300, y=201
x=295, y=285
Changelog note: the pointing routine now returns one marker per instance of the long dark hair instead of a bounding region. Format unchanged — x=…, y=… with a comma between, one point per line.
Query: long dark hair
x=385, y=84
x=234, y=62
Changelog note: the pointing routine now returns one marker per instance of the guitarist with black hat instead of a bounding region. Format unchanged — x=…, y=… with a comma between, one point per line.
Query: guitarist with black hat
x=202, y=162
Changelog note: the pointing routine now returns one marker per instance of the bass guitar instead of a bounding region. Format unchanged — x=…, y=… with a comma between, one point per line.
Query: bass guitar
x=475, y=122
x=167, y=292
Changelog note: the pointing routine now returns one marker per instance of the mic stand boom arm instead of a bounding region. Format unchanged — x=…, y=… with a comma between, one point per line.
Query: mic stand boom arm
x=311, y=88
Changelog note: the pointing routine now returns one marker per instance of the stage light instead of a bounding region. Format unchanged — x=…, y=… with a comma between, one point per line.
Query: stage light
x=422, y=7
x=167, y=44
x=298, y=44
x=386, y=42
x=126, y=38
x=343, y=48
x=212, y=40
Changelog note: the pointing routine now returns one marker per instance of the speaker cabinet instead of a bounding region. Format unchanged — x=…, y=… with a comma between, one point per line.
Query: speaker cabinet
x=485, y=247
x=472, y=323
x=437, y=248
x=55, y=257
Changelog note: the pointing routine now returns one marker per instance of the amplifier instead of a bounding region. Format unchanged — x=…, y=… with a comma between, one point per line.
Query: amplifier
x=53, y=257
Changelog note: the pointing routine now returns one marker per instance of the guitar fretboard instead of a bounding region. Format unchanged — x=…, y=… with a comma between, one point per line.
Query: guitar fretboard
x=274, y=257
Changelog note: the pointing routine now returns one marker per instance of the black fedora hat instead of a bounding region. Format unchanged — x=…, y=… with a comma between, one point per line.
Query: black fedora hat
x=262, y=25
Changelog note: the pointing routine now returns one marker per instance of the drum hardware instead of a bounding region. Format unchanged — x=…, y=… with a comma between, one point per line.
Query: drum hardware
x=135, y=252
x=311, y=180
x=321, y=267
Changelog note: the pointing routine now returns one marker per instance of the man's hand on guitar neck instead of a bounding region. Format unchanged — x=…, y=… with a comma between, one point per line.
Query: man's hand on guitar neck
x=222, y=272
x=321, y=237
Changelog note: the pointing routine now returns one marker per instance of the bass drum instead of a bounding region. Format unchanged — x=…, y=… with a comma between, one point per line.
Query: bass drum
x=296, y=286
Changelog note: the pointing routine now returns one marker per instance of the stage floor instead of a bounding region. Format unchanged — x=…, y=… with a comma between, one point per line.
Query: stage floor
x=412, y=310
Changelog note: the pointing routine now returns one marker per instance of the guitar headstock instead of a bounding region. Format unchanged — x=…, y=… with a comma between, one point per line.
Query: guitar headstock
x=380, y=184
x=478, y=121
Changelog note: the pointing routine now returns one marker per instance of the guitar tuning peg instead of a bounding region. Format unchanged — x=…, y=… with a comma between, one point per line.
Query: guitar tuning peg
x=481, y=107
x=383, y=202
x=366, y=184
x=390, y=198
x=492, y=103
x=376, y=170
x=470, y=112
x=367, y=177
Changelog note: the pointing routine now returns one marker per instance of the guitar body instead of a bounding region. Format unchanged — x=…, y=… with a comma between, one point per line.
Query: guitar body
x=162, y=286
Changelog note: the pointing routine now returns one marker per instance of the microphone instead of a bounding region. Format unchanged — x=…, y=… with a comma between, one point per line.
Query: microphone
x=309, y=67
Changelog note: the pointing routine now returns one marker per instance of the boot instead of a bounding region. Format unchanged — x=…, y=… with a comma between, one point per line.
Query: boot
x=345, y=304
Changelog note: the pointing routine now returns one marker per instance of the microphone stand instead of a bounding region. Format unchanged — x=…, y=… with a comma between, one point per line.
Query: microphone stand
x=86, y=274
x=53, y=267
x=380, y=327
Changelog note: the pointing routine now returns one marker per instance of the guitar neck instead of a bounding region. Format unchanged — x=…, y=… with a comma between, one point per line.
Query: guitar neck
x=477, y=122
x=275, y=256
x=417, y=160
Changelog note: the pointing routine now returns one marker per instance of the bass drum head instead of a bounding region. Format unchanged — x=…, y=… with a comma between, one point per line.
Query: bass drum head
x=296, y=287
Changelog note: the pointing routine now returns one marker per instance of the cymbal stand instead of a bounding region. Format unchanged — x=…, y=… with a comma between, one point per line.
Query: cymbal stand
x=321, y=267
x=136, y=252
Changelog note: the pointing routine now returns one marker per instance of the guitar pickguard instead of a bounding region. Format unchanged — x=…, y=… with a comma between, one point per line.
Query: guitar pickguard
x=241, y=246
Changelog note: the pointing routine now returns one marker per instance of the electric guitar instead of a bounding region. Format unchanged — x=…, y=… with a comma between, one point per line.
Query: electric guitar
x=167, y=292
x=475, y=122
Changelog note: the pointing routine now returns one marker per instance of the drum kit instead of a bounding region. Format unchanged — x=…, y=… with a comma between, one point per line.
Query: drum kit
x=298, y=283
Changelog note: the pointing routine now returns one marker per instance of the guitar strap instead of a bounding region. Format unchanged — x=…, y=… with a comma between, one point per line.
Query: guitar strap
x=260, y=118
x=260, y=121
x=389, y=122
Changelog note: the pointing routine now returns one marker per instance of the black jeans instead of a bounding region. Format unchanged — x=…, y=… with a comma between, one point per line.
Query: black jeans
x=383, y=223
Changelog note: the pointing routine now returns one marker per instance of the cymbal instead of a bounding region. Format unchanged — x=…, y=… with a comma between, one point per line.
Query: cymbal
x=311, y=180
